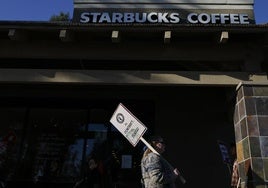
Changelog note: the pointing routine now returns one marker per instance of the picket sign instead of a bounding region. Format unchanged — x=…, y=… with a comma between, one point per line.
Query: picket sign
x=132, y=128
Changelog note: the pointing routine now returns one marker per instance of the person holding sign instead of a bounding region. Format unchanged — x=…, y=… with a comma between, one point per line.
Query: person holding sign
x=156, y=171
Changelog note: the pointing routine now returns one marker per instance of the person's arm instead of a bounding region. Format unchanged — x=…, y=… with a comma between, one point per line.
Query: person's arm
x=154, y=168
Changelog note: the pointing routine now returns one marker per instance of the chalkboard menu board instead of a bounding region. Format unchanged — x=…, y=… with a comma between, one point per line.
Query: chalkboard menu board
x=57, y=158
x=50, y=150
x=55, y=144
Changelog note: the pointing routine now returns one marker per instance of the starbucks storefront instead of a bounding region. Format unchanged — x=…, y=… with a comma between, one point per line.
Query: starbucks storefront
x=195, y=76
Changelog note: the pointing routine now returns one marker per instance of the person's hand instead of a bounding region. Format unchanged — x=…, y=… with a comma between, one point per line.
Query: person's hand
x=92, y=164
x=176, y=172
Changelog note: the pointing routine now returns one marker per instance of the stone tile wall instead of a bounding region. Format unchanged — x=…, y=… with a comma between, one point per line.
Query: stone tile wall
x=251, y=133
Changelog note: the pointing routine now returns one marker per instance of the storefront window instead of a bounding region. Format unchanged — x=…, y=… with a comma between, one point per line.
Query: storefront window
x=44, y=146
x=55, y=144
x=72, y=163
x=99, y=136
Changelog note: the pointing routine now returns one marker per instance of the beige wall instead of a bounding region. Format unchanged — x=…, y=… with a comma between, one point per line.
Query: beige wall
x=184, y=4
x=241, y=2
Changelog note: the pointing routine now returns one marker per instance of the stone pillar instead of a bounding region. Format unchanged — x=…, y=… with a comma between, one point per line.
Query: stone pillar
x=251, y=134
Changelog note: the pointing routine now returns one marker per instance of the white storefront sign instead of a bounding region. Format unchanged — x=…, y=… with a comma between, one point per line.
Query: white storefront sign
x=163, y=17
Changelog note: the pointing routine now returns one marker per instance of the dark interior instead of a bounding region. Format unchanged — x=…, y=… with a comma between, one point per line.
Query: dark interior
x=51, y=121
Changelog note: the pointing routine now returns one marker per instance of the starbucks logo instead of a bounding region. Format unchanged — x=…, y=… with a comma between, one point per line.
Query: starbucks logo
x=120, y=118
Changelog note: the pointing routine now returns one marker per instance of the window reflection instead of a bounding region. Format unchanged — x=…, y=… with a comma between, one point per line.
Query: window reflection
x=99, y=135
x=94, y=143
x=72, y=164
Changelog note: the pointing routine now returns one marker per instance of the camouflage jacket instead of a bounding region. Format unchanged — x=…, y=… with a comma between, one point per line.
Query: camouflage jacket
x=157, y=172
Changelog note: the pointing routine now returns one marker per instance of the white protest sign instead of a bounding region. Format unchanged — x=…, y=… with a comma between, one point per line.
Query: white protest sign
x=127, y=124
